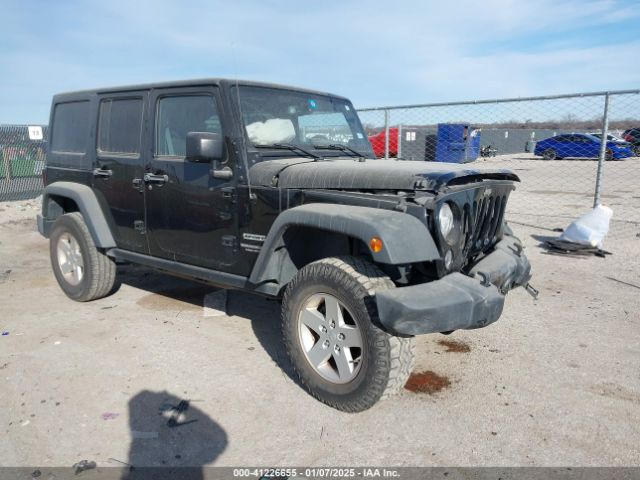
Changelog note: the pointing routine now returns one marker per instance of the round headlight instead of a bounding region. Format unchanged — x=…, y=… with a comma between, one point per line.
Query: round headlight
x=446, y=220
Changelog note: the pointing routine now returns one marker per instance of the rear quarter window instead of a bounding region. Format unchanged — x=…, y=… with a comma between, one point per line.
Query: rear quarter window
x=70, y=127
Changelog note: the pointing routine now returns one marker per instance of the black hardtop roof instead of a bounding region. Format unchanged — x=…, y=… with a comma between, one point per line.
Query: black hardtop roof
x=186, y=83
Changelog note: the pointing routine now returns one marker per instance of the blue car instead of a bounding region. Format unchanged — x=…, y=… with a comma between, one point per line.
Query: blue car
x=579, y=145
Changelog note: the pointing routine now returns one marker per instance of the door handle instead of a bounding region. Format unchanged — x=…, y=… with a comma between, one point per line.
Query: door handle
x=151, y=178
x=103, y=173
x=224, y=174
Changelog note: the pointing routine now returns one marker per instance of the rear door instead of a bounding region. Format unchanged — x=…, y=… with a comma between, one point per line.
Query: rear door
x=585, y=147
x=118, y=168
x=563, y=146
x=191, y=216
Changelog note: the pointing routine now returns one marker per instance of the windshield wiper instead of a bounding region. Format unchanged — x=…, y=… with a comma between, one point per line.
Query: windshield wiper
x=342, y=148
x=293, y=148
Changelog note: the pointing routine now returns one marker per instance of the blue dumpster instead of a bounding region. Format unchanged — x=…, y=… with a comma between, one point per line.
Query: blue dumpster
x=457, y=143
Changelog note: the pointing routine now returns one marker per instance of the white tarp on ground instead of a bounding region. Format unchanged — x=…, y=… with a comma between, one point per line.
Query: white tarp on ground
x=590, y=229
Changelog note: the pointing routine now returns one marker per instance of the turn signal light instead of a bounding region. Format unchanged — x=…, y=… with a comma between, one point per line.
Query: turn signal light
x=375, y=244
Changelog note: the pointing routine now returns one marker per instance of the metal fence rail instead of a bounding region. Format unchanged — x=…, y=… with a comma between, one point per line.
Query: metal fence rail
x=547, y=141
x=22, y=152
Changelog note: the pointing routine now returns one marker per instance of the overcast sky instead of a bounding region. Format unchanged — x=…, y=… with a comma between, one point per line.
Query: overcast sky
x=374, y=52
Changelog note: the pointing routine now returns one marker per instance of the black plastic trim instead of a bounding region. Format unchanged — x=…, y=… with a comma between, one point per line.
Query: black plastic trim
x=215, y=277
x=88, y=204
x=456, y=301
x=405, y=239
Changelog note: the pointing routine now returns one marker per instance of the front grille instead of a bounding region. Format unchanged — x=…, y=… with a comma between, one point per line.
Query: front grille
x=482, y=221
x=481, y=209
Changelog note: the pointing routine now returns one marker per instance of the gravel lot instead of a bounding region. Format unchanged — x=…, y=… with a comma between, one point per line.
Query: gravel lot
x=553, y=193
x=556, y=381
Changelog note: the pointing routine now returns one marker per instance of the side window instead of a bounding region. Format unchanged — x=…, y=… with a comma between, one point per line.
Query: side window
x=120, y=125
x=180, y=115
x=70, y=127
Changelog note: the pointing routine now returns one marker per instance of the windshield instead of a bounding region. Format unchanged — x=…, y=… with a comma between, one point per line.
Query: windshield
x=274, y=117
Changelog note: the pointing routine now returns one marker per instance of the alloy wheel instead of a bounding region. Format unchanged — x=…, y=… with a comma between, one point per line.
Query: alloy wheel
x=70, y=259
x=330, y=338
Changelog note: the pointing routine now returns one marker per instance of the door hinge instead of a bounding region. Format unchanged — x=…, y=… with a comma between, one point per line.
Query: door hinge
x=229, y=192
x=139, y=226
x=137, y=184
x=229, y=241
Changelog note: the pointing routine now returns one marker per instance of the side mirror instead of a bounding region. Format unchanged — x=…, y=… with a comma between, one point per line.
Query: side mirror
x=204, y=147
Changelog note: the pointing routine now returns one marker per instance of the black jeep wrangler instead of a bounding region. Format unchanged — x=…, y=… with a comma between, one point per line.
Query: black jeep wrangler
x=275, y=190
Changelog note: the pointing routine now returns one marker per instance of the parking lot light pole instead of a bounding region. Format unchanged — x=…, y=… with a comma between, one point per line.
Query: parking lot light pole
x=603, y=151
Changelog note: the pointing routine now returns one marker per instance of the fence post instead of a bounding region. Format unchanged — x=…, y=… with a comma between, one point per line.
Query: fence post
x=386, y=134
x=399, y=152
x=603, y=152
x=6, y=158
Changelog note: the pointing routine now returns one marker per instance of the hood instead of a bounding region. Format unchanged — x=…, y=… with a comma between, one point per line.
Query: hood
x=370, y=174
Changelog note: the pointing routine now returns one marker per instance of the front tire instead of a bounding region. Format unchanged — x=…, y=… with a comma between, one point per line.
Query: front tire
x=82, y=271
x=549, y=154
x=332, y=334
x=608, y=155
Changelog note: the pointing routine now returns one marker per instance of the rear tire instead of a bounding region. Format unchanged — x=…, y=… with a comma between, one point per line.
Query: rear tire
x=83, y=272
x=340, y=291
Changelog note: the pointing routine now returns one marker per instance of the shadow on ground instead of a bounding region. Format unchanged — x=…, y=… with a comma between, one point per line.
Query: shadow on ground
x=169, y=433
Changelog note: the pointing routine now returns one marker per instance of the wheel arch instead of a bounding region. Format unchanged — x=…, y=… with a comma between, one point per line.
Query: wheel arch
x=307, y=233
x=65, y=197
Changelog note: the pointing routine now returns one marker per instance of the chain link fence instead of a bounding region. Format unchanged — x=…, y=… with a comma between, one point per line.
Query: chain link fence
x=553, y=143
x=22, y=153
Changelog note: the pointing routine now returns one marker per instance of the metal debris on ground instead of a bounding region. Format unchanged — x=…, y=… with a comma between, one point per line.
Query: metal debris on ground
x=177, y=413
x=83, y=465
x=556, y=246
x=623, y=282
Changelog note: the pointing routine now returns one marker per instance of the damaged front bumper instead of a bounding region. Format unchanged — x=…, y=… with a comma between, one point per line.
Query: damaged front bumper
x=457, y=301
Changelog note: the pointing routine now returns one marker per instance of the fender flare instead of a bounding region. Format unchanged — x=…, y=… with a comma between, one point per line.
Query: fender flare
x=405, y=239
x=88, y=205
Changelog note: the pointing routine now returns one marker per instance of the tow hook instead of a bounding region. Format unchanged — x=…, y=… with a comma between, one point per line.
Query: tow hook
x=531, y=291
x=485, y=280
x=516, y=248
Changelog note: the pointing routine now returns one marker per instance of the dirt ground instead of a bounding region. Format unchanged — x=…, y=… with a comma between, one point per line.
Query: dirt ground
x=556, y=381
